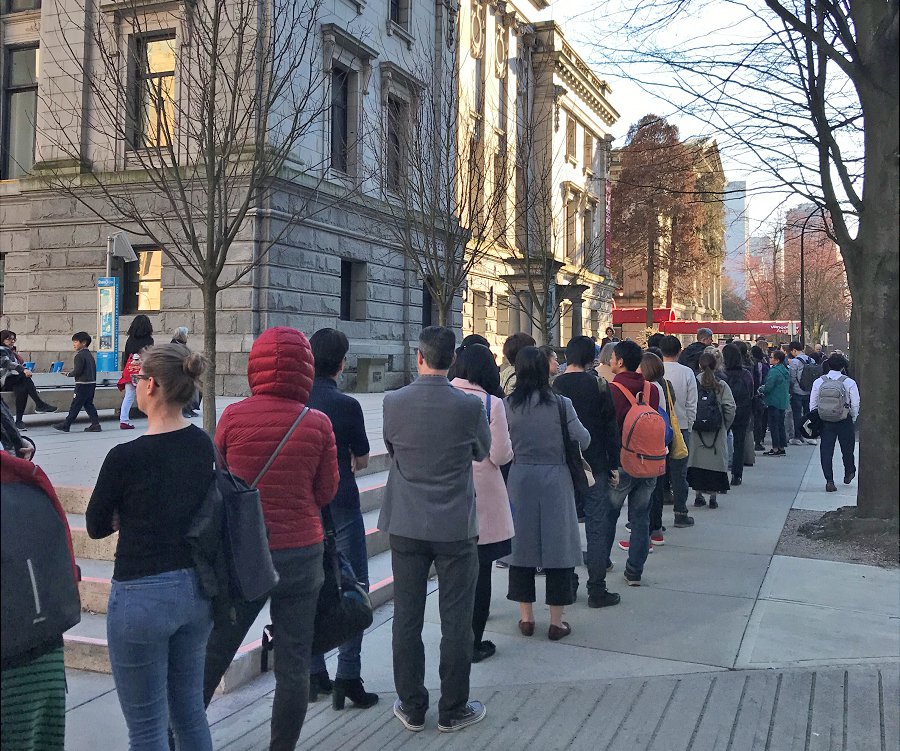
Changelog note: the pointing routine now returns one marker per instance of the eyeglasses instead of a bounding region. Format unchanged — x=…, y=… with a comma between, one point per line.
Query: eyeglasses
x=139, y=377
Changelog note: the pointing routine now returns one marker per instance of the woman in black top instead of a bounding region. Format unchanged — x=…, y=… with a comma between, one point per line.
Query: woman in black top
x=140, y=335
x=149, y=490
x=740, y=381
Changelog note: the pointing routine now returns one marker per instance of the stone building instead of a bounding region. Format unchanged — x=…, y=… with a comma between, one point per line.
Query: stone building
x=333, y=268
x=546, y=115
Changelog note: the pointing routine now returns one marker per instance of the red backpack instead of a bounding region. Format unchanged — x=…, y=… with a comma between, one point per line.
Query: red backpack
x=643, y=436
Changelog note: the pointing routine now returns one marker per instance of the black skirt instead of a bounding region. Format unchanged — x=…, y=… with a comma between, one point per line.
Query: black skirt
x=708, y=480
x=492, y=551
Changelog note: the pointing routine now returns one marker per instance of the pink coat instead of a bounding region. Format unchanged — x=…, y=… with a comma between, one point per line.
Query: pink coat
x=495, y=521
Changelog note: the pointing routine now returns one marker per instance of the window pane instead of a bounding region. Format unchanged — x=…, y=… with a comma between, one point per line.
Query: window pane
x=153, y=98
x=149, y=280
x=340, y=97
x=20, y=149
x=15, y=5
x=160, y=56
x=23, y=67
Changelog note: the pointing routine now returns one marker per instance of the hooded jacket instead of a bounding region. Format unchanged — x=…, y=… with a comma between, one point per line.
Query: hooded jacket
x=690, y=356
x=304, y=477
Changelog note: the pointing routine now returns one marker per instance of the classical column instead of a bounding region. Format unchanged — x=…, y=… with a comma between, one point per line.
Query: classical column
x=515, y=315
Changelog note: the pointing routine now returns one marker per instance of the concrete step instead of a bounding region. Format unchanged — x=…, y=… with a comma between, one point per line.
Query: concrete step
x=371, y=482
x=96, y=574
x=86, y=645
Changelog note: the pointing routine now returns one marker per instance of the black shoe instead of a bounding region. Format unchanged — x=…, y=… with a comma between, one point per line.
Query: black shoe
x=45, y=408
x=351, y=688
x=95, y=428
x=539, y=571
x=61, y=427
x=483, y=650
x=319, y=683
x=20, y=426
x=683, y=520
x=609, y=565
x=632, y=580
x=736, y=480
x=604, y=600
x=713, y=503
x=414, y=721
x=848, y=477
x=699, y=501
x=474, y=712
x=780, y=452
x=759, y=447
x=830, y=487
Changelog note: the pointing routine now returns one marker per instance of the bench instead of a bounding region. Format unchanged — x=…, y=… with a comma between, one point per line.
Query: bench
x=57, y=389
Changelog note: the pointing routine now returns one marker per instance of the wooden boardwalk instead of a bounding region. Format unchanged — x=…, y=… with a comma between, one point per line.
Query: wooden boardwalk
x=853, y=708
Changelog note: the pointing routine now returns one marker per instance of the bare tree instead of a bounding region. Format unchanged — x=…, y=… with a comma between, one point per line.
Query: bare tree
x=809, y=92
x=766, y=294
x=445, y=196
x=207, y=128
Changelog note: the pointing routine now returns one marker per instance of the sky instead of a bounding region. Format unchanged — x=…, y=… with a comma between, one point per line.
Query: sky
x=587, y=21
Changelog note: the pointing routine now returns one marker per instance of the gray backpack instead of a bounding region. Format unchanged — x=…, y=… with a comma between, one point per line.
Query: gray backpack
x=833, y=400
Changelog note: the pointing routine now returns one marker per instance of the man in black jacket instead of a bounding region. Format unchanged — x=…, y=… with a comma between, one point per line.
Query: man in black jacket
x=691, y=354
x=593, y=404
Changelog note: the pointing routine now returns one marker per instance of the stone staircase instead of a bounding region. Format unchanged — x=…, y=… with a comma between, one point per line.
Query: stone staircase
x=85, y=644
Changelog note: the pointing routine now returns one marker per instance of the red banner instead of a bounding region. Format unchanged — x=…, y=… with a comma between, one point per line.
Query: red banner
x=607, y=230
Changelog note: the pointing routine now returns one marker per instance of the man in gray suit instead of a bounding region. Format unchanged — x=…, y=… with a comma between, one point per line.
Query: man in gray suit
x=433, y=432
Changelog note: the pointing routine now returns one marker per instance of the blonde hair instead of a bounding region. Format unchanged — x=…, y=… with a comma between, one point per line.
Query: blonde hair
x=176, y=369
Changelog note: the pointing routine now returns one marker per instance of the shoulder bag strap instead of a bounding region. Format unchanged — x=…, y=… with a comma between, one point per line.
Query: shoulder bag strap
x=563, y=419
x=646, y=393
x=280, y=446
x=487, y=406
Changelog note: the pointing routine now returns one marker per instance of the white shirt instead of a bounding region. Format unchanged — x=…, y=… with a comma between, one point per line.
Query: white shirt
x=849, y=383
x=684, y=386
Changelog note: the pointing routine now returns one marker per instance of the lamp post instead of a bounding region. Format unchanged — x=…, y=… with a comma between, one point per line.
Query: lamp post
x=809, y=216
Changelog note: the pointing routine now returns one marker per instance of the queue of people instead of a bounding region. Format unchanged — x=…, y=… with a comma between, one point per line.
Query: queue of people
x=448, y=503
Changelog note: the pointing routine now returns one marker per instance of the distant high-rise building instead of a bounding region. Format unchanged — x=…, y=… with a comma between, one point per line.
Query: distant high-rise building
x=737, y=233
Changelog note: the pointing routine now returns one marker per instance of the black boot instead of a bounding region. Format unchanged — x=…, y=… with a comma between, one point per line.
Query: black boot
x=352, y=688
x=319, y=683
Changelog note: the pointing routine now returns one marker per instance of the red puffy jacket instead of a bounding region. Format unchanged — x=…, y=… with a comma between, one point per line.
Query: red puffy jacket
x=304, y=477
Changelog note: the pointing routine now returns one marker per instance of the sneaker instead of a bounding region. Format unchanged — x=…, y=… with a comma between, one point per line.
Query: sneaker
x=126, y=426
x=736, y=480
x=699, y=501
x=848, y=477
x=626, y=544
x=830, y=487
x=20, y=426
x=474, y=712
x=411, y=721
x=501, y=564
x=810, y=442
x=604, y=600
x=483, y=651
x=61, y=427
x=657, y=538
x=780, y=452
x=45, y=408
x=539, y=571
x=683, y=520
x=632, y=580
x=759, y=447
x=795, y=442
x=93, y=428
x=628, y=526
x=713, y=503
x=770, y=452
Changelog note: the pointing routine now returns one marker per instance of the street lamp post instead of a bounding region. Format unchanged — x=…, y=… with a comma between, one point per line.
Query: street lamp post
x=803, y=280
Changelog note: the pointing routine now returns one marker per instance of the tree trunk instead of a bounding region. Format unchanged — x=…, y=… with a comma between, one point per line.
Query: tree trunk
x=209, y=348
x=651, y=274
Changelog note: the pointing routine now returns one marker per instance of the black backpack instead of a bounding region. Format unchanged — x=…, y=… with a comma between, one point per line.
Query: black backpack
x=39, y=586
x=743, y=399
x=810, y=372
x=709, y=415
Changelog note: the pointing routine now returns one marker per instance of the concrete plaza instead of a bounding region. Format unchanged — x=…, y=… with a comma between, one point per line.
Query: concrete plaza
x=725, y=646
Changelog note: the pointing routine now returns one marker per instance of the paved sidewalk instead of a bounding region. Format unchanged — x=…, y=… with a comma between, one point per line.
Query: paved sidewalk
x=725, y=646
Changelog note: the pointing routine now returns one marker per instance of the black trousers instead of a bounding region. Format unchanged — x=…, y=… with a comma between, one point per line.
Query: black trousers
x=22, y=387
x=457, y=570
x=84, y=398
x=293, y=613
x=844, y=433
x=760, y=420
x=560, y=585
x=482, y=607
x=739, y=438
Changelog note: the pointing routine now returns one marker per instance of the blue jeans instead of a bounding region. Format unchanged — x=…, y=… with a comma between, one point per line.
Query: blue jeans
x=776, y=428
x=599, y=515
x=157, y=627
x=638, y=491
x=351, y=541
x=799, y=411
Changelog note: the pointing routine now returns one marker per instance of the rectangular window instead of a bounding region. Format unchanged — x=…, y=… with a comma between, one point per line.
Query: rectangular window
x=571, y=137
x=20, y=111
x=353, y=290
x=500, y=186
x=2, y=279
x=152, y=91
x=340, y=119
x=397, y=125
x=588, y=151
x=571, y=252
x=141, y=283
x=400, y=13
x=503, y=103
x=16, y=5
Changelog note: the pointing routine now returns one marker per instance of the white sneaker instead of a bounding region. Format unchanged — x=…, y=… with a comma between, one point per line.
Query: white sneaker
x=795, y=442
x=811, y=442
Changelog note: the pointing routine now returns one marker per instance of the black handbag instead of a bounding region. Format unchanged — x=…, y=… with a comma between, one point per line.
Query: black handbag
x=344, y=608
x=579, y=469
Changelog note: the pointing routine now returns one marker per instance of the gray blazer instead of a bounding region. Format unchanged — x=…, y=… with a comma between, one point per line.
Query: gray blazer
x=433, y=432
